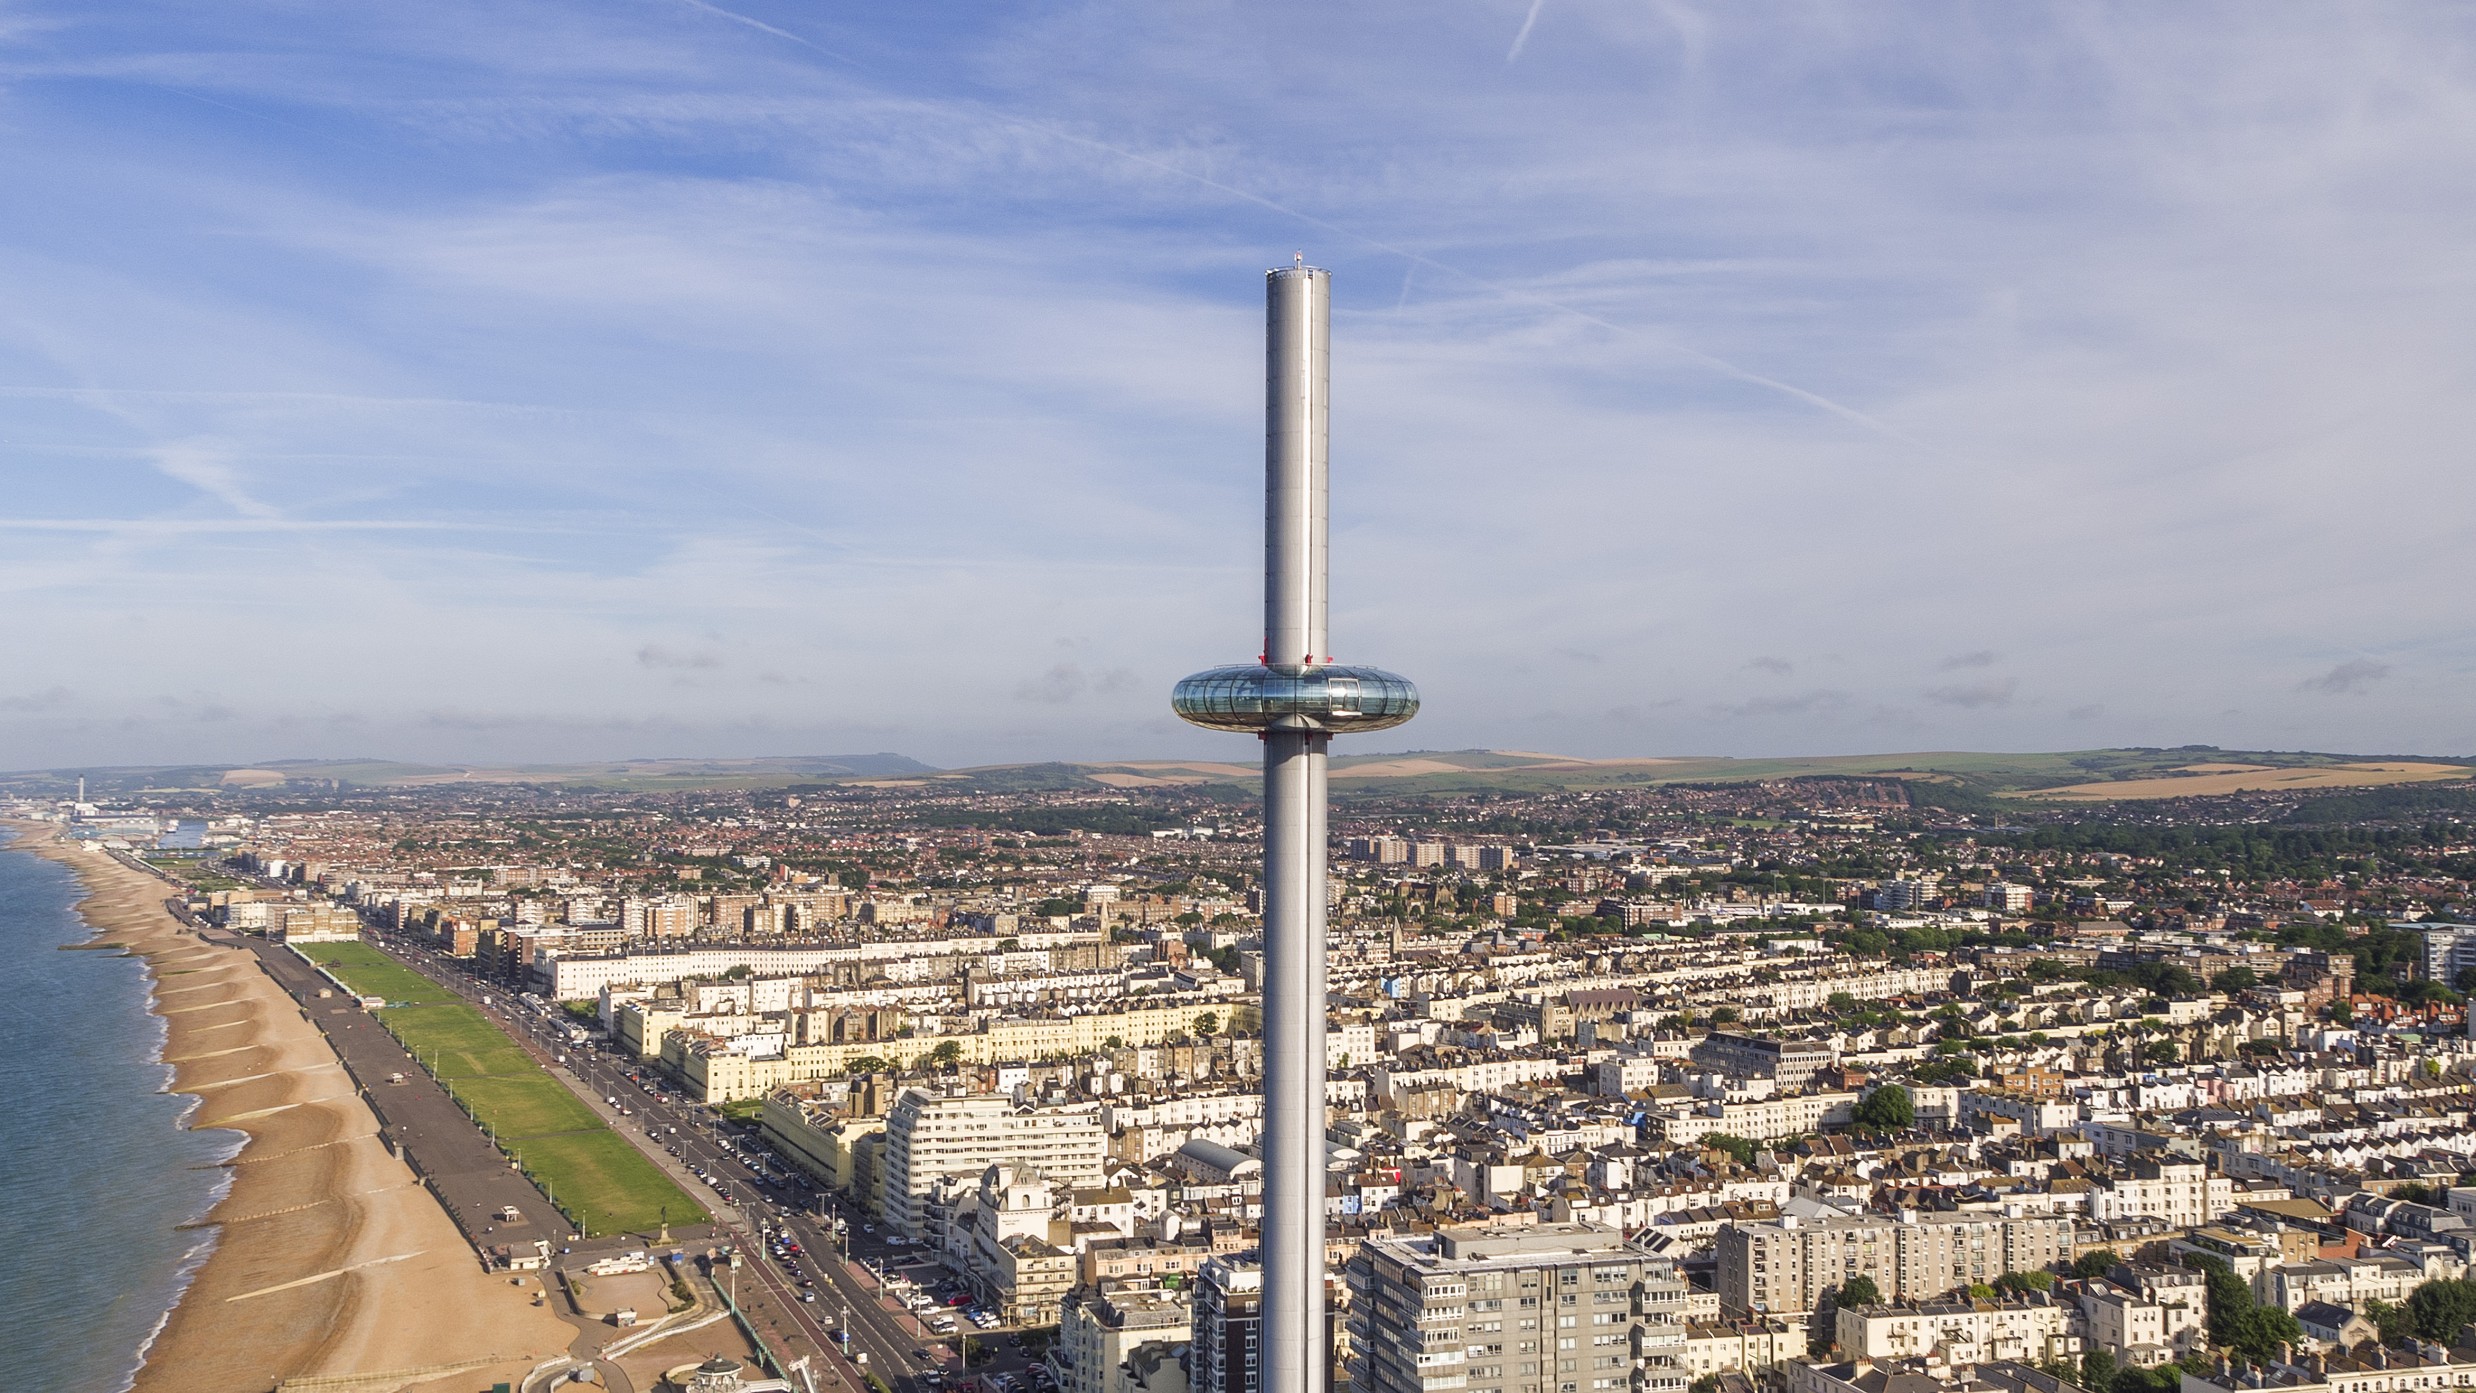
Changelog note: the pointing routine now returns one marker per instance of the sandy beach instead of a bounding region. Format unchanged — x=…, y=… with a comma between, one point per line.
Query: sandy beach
x=330, y=1259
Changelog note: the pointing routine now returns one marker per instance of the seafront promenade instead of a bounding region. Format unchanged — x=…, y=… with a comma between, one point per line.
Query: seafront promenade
x=418, y=1119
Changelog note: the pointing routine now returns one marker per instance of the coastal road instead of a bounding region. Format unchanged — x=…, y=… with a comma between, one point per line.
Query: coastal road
x=683, y=1138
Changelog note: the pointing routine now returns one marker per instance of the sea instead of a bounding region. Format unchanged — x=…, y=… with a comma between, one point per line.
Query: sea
x=97, y=1169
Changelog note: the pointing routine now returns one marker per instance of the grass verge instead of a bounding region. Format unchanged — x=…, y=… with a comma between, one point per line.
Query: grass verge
x=604, y=1184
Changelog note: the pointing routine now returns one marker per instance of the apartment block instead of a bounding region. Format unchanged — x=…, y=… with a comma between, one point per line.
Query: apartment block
x=930, y=1135
x=2180, y=1192
x=1793, y=1063
x=1547, y=1308
x=1228, y=1328
x=1790, y=1264
x=2035, y=1329
x=2008, y=898
x=1100, y=1333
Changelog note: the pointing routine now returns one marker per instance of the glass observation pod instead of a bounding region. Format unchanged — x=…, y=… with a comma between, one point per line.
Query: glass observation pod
x=1254, y=697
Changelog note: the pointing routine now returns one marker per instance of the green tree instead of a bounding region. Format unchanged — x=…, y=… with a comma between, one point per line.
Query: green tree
x=2238, y=1321
x=1959, y=1068
x=1207, y=1025
x=947, y=1054
x=1739, y=1147
x=2236, y=979
x=2264, y=1330
x=2439, y=1308
x=2392, y=1320
x=2230, y=1298
x=1860, y=1291
x=2097, y=1262
x=2097, y=1371
x=1887, y=1109
x=866, y=1064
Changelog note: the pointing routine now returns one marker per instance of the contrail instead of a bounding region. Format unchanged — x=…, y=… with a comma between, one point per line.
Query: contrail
x=764, y=28
x=1713, y=362
x=188, y=526
x=1522, y=39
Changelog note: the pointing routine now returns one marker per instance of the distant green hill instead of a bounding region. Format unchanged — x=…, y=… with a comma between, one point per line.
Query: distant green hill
x=308, y=774
x=2076, y=775
x=2064, y=777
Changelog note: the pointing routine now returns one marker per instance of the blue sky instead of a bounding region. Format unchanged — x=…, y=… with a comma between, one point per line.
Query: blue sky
x=653, y=377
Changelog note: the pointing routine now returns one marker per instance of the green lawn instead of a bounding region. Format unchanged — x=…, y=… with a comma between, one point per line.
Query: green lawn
x=521, y=1108
x=602, y=1181
x=457, y=1042
x=372, y=973
x=606, y=1184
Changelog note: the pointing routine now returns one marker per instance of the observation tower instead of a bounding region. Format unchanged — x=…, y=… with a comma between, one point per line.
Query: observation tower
x=1295, y=699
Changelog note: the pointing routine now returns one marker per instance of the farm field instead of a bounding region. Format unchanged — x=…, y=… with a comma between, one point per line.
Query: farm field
x=2202, y=780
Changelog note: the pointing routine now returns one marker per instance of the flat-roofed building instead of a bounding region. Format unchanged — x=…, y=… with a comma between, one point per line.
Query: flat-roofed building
x=1790, y=1264
x=1099, y=1332
x=1515, y=1308
x=930, y=1135
x=1793, y=1063
x=2034, y=1329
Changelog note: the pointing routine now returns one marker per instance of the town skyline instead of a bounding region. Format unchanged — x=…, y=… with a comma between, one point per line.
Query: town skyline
x=1784, y=1072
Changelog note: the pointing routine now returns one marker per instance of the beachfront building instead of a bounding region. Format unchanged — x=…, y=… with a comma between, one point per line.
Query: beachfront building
x=931, y=1134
